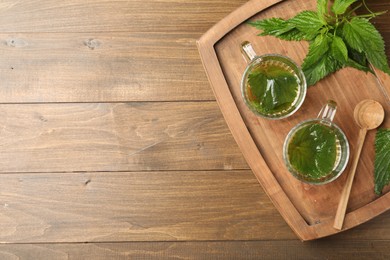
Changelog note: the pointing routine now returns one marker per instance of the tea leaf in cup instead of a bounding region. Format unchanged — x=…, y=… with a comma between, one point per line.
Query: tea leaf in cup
x=274, y=88
x=312, y=150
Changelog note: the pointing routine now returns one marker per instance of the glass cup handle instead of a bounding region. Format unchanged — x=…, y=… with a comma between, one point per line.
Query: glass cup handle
x=328, y=111
x=248, y=51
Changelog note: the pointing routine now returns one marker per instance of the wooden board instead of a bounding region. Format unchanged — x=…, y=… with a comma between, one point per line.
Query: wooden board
x=274, y=249
x=77, y=207
x=136, y=136
x=136, y=206
x=309, y=210
x=100, y=67
x=162, y=16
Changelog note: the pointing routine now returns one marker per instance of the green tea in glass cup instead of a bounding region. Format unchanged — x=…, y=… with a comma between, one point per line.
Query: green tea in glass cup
x=272, y=86
x=316, y=151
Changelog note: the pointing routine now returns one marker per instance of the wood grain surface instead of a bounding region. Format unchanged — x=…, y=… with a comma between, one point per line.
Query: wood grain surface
x=136, y=136
x=281, y=249
x=101, y=67
x=112, y=145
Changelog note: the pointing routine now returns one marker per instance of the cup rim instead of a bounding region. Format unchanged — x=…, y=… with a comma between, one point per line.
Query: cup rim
x=303, y=85
x=289, y=136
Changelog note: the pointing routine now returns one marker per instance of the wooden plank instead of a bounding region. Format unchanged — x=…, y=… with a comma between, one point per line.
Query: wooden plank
x=120, y=15
x=146, y=206
x=116, y=137
x=100, y=67
x=282, y=249
x=136, y=206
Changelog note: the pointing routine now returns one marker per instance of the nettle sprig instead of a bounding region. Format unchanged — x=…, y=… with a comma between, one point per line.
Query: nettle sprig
x=338, y=38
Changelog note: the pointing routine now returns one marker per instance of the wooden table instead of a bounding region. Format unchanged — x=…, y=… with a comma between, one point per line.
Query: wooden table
x=112, y=144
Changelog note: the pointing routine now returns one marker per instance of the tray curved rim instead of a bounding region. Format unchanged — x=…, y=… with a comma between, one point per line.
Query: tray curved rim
x=251, y=153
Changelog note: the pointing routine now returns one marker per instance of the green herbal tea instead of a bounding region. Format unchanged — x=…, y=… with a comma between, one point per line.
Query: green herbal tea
x=314, y=151
x=272, y=88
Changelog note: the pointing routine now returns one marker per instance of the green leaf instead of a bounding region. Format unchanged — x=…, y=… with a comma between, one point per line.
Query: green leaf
x=382, y=159
x=325, y=66
x=317, y=49
x=273, y=90
x=336, y=40
x=359, y=57
x=340, y=6
x=357, y=60
x=322, y=10
x=257, y=81
x=339, y=49
x=312, y=150
x=272, y=26
x=281, y=29
x=362, y=36
x=351, y=63
x=282, y=90
x=319, y=62
x=307, y=22
x=295, y=35
x=379, y=60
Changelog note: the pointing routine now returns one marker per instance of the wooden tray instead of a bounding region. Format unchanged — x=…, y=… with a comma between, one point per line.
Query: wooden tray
x=309, y=210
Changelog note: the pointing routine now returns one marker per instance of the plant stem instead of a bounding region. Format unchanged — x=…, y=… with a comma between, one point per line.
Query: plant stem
x=371, y=15
x=365, y=5
x=353, y=10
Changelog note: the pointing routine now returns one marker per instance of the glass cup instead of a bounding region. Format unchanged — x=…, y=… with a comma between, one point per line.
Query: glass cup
x=272, y=86
x=316, y=151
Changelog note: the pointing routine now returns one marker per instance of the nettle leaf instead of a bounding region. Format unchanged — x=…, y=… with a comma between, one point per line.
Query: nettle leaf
x=357, y=60
x=337, y=39
x=379, y=60
x=359, y=57
x=282, y=90
x=382, y=159
x=317, y=49
x=320, y=62
x=272, y=26
x=339, y=49
x=273, y=90
x=281, y=29
x=257, y=81
x=340, y=6
x=295, y=35
x=307, y=22
x=362, y=36
x=352, y=63
x=325, y=66
x=312, y=150
x=322, y=10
